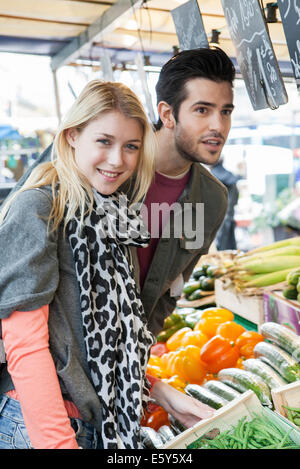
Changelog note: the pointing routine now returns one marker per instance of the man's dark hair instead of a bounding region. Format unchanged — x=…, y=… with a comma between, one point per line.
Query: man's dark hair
x=211, y=64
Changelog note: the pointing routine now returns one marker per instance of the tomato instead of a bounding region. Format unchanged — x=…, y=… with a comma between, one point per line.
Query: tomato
x=157, y=419
x=159, y=349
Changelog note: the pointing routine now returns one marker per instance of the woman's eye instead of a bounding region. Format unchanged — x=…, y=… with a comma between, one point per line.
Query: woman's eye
x=104, y=141
x=133, y=147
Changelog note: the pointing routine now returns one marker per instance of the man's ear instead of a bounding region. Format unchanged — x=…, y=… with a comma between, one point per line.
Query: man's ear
x=71, y=136
x=165, y=112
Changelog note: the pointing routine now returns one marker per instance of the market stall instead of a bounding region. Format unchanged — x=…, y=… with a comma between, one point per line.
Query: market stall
x=233, y=343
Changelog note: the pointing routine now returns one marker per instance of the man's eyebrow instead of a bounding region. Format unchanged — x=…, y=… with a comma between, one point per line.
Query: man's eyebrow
x=207, y=103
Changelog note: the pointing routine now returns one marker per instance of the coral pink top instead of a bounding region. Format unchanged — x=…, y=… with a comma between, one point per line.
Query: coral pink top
x=46, y=414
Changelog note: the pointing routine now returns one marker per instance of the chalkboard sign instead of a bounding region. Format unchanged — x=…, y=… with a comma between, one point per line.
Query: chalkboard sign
x=290, y=17
x=254, y=53
x=189, y=26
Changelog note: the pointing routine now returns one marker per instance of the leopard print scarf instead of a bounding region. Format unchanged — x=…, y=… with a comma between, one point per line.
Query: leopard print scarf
x=114, y=323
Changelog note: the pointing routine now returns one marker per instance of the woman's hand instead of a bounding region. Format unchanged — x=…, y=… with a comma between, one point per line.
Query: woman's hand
x=184, y=408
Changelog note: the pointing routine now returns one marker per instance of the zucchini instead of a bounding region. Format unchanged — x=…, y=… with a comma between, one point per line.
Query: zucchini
x=166, y=433
x=277, y=358
x=176, y=426
x=189, y=287
x=266, y=372
x=283, y=337
x=150, y=438
x=196, y=295
x=205, y=396
x=222, y=390
x=207, y=284
x=198, y=273
x=243, y=380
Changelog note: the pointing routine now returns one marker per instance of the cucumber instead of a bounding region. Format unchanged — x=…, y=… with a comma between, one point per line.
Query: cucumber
x=277, y=358
x=222, y=390
x=176, y=426
x=243, y=380
x=205, y=396
x=283, y=337
x=166, y=433
x=150, y=438
x=266, y=372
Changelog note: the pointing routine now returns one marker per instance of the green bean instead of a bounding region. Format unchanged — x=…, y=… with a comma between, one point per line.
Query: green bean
x=295, y=409
x=246, y=436
x=287, y=435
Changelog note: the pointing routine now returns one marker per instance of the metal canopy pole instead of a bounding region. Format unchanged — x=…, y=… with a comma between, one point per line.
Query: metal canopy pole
x=106, y=22
x=57, y=98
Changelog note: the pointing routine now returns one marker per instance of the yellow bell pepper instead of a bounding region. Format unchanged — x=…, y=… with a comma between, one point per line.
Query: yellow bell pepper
x=176, y=382
x=174, y=342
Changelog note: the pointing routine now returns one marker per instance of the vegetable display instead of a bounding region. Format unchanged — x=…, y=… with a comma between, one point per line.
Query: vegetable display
x=257, y=433
x=267, y=265
x=206, y=354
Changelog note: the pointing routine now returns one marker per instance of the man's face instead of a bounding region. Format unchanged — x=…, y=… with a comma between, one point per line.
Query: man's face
x=204, y=120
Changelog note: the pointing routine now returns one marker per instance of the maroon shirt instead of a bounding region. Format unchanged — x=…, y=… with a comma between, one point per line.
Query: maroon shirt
x=163, y=190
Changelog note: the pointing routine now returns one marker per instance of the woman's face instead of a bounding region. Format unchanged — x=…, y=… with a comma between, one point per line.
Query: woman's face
x=107, y=150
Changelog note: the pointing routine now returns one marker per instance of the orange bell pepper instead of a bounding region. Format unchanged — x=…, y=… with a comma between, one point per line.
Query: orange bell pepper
x=249, y=336
x=247, y=350
x=197, y=338
x=174, y=342
x=246, y=343
x=230, y=330
x=215, y=311
x=209, y=325
x=219, y=353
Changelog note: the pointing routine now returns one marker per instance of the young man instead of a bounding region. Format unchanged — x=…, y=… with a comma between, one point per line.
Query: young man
x=195, y=102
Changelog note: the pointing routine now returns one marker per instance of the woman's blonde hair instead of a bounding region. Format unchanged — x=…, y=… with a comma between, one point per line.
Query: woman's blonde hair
x=70, y=189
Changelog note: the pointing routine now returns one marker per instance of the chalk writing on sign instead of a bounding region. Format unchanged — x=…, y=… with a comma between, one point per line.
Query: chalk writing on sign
x=254, y=53
x=290, y=17
x=189, y=26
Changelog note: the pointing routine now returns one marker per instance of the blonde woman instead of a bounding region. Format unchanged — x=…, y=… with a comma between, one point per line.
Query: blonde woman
x=73, y=325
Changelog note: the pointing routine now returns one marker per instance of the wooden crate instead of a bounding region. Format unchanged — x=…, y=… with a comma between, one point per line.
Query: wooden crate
x=227, y=416
x=287, y=395
x=248, y=307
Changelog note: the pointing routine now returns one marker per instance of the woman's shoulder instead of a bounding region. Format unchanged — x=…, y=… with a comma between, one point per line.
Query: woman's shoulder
x=39, y=199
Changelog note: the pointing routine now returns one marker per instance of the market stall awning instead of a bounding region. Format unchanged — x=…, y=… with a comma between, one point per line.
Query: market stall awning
x=72, y=30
